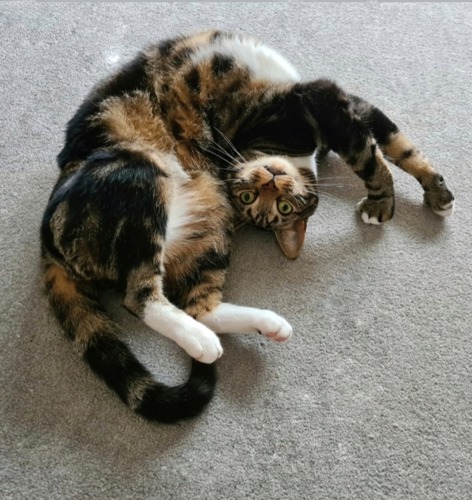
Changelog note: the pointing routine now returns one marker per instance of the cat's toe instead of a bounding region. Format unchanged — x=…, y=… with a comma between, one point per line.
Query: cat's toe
x=274, y=327
x=369, y=220
x=438, y=197
x=446, y=210
x=203, y=345
x=376, y=211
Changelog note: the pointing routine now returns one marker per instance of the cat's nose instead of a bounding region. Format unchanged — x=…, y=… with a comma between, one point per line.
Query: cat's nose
x=270, y=186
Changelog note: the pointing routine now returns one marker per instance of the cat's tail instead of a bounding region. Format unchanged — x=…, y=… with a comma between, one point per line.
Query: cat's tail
x=86, y=323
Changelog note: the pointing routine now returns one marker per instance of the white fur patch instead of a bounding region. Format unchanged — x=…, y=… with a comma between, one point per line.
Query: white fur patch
x=447, y=210
x=194, y=337
x=179, y=217
x=263, y=62
x=182, y=210
x=369, y=220
x=230, y=318
x=302, y=161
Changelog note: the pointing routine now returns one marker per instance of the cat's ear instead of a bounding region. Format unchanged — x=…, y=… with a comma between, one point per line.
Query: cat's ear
x=291, y=238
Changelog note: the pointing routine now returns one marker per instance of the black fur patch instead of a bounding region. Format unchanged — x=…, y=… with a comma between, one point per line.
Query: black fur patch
x=370, y=166
x=377, y=122
x=192, y=80
x=381, y=126
x=216, y=35
x=82, y=138
x=277, y=125
x=407, y=154
x=181, y=55
x=169, y=405
x=144, y=294
x=122, y=204
x=211, y=261
x=112, y=361
x=377, y=197
x=202, y=296
x=221, y=64
x=177, y=130
x=165, y=46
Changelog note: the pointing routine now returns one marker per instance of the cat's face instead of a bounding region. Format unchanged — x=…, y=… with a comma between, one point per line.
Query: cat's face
x=272, y=193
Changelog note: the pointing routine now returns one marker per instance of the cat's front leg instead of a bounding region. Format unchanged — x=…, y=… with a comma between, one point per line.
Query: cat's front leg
x=195, y=338
x=230, y=318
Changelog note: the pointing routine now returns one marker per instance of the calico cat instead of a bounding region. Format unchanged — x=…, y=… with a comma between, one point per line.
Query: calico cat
x=162, y=161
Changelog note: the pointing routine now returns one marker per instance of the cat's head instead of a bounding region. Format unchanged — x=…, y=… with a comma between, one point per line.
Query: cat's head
x=272, y=193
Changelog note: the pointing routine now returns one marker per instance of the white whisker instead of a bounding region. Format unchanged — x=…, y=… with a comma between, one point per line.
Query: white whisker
x=231, y=145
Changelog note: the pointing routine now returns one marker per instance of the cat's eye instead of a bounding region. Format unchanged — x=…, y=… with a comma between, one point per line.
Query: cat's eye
x=247, y=197
x=284, y=207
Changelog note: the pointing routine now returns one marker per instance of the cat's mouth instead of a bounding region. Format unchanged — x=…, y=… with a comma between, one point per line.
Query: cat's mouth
x=270, y=186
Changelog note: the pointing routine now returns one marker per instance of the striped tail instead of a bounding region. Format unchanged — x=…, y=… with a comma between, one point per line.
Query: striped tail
x=85, y=322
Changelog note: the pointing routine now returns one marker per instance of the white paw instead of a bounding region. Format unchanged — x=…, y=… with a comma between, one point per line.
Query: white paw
x=273, y=326
x=376, y=211
x=365, y=216
x=369, y=220
x=201, y=343
x=446, y=210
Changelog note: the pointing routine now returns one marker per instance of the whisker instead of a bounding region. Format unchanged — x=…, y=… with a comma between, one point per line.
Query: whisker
x=197, y=166
x=231, y=145
x=221, y=149
x=232, y=162
x=238, y=225
x=328, y=196
x=216, y=149
x=323, y=178
x=214, y=153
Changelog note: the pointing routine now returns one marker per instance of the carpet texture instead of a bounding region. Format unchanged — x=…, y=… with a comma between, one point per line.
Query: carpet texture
x=372, y=397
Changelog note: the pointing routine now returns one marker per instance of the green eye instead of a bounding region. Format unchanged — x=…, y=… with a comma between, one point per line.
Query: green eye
x=284, y=207
x=247, y=197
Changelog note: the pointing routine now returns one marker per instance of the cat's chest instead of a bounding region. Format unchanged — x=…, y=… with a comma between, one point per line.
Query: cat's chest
x=197, y=213
x=183, y=217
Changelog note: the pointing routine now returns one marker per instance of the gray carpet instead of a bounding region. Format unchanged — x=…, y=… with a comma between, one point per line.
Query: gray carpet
x=372, y=397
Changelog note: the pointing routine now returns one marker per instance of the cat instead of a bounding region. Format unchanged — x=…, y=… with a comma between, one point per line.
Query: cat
x=162, y=162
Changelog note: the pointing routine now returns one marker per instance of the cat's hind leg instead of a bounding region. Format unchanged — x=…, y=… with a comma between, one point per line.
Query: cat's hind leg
x=341, y=130
x=141, y=249
x=406, y=156
x=397, y=147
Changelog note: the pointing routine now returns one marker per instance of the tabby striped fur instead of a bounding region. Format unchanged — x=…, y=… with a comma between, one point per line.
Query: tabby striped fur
x=162, y=161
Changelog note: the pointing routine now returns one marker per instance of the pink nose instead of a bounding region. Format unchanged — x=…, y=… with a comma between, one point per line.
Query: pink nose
x=270, y=186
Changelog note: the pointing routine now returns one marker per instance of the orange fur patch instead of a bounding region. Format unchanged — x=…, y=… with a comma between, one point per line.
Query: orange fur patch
x=415, y=164
x=132, y=119
x=60, y=282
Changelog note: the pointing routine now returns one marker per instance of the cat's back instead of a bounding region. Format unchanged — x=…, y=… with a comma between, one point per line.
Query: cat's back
x=168, y=97
x=226, y=49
